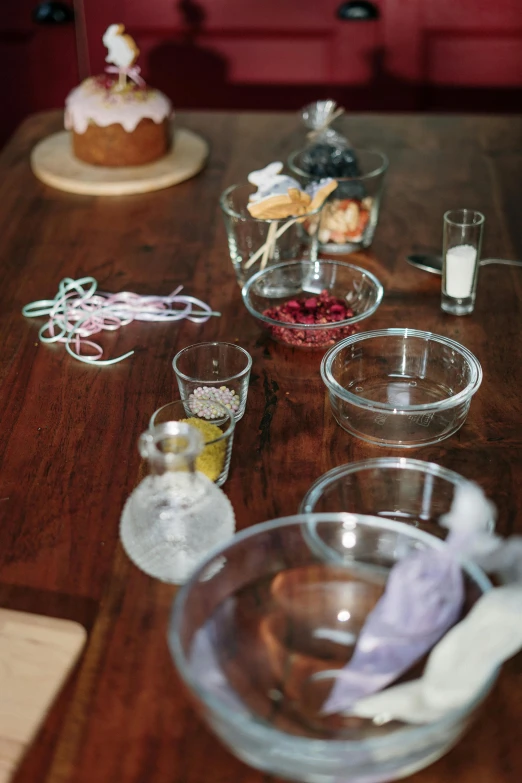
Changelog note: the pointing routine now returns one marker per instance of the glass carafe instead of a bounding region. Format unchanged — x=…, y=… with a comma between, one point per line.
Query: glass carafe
x=176, y=514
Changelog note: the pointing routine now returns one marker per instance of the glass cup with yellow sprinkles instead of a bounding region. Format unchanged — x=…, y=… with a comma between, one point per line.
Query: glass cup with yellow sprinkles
x=218, y=434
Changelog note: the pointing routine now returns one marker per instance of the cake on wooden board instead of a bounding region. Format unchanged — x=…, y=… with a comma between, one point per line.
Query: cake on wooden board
x=115, y=118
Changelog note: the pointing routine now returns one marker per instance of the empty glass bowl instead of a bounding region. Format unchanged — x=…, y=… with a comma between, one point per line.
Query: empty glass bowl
x=303, y=281
x=400, y=387
x=266, y=612
x=407, y=490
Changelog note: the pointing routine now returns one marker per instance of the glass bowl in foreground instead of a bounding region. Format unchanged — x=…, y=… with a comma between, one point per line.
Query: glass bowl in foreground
x=400, y=387
x=407, y=490
x=281, y=604
x=304, y=281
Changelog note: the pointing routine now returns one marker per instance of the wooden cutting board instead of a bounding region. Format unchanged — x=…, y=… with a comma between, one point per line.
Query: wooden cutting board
x=53, y=162
x=36, y=654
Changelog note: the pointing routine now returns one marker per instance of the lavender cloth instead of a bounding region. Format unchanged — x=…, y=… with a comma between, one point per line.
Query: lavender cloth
x=423, y=599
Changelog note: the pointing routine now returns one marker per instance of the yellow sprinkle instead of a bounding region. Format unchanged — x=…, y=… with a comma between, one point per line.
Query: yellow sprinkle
x=212, y=458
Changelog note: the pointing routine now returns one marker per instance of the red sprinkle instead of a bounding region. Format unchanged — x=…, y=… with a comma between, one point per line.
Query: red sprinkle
x=323, y=309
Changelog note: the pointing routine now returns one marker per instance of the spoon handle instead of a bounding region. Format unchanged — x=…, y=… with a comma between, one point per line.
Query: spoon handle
x=505, y=261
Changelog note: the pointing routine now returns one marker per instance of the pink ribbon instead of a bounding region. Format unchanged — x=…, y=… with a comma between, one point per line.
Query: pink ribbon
x=80, y=311
x=132, y=72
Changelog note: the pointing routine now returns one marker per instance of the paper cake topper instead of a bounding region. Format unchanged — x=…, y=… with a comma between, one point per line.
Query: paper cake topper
x=280, y=196
x=122, y=53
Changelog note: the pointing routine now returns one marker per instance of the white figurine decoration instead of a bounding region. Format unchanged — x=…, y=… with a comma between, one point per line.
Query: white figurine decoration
x=279, y=196
x=122, y=53
x=270, y=182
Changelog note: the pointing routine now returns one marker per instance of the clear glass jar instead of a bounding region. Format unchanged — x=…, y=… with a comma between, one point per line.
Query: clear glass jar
x=350, y=215
x=254, y=243
x=176, y=515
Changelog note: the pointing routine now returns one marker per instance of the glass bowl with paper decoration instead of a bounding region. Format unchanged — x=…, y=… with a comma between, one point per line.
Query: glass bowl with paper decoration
x=312, y=304
x=406, y=490
x=400, y=387
x=263, y=628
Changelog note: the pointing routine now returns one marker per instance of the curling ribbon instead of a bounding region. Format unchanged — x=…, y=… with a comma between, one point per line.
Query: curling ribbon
x=79, y=311
x=132, y=72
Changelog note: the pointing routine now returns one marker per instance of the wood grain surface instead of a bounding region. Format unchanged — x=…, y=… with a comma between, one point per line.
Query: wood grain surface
x=68, y=432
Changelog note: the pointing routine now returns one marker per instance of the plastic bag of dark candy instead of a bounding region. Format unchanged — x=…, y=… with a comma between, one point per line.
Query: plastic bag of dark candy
x=328, y=152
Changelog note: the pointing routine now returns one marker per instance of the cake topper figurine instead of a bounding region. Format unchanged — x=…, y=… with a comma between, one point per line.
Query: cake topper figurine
x=123, y=53
x=279, y=196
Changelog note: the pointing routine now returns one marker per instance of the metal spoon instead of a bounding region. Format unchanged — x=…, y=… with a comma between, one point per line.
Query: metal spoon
x=433, y=264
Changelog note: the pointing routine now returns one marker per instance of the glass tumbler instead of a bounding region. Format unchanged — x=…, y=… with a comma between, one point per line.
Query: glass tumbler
x=349, y=217
x=218, y=437
x=462, y=243
x=208, y=372
x=254, y=243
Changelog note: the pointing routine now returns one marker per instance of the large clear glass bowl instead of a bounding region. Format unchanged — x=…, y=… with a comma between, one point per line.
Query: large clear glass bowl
x=407, y=490
x=355, y=286
x=262, y=617
x=400, y=387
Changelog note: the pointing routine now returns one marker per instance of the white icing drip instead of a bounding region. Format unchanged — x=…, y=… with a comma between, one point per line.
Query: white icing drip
x=92, y=102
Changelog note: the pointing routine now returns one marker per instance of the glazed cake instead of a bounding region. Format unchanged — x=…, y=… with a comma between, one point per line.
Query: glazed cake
x=117, y=126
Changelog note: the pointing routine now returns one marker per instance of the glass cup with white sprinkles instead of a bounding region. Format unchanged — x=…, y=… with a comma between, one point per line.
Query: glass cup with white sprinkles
x=210, y=374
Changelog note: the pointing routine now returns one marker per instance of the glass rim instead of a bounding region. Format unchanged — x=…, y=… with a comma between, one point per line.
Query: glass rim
x=401, y=463
x=385, y=407
x=249, y=218
x=270, y=733
x=206, y=344
x=245, y=293
x=224, y=434
x=385, y=162
x=447, y=218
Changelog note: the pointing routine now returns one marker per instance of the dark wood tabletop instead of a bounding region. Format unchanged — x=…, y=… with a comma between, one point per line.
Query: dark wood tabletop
x=68, y=432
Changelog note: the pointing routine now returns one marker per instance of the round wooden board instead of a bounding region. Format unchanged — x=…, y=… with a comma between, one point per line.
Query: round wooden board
x=53, y=162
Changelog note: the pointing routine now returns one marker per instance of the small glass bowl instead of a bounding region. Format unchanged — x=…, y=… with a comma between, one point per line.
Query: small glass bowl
x=400, y=387
x=406, y=490
x=214, y=460
x=206, y=368
x=350, y=215
x=247, y=235
x=304, y=279
x=260, y=618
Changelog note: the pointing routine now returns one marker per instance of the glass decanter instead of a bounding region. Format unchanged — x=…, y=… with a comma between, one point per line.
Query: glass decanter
x=176, y=515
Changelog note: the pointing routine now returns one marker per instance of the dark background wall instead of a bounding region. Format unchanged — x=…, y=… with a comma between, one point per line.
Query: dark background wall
x=376, y=55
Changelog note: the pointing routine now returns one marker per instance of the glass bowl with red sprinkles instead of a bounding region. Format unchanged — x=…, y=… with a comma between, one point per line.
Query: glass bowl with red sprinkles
x=312, y=304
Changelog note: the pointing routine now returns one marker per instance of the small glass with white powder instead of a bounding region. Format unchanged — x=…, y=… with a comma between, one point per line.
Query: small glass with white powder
x=463, y=229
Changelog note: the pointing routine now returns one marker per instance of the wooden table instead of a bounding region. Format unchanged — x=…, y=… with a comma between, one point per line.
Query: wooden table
x=68, y=431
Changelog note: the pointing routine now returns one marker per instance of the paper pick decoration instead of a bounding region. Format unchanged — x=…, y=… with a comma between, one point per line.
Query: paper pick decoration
x=122, y=53
x=279, y=196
